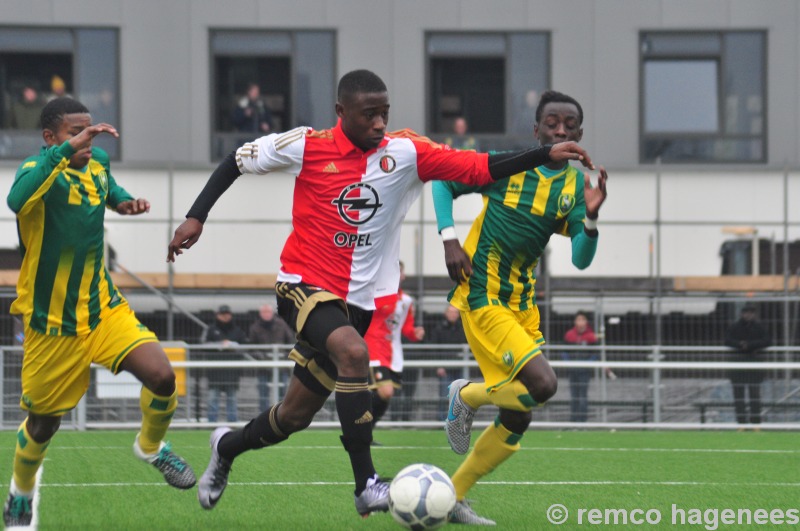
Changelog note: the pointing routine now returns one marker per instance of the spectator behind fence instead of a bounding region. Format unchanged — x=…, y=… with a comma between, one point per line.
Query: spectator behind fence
x=25, y=110
x=225, y=332
x=460, y=139
x=448, y=330
x=747, y=337
x=580, y=334
x=252, y=115
x=268, y=329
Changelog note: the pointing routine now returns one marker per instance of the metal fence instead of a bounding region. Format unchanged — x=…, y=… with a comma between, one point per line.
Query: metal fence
x=635, y=386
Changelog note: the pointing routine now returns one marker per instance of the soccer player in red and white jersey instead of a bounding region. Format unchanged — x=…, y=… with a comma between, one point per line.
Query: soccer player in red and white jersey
x=393, y=319
x=354, y=185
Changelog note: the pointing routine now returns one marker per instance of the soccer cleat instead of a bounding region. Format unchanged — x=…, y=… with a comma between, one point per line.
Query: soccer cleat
x=175, y=470
x=215, y=478
x=458, y=424
x=18, y=511
x=462, y=513
x=373, y=498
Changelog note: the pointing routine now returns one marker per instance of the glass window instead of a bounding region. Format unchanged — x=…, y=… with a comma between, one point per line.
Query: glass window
x=490, y=80
x=269, y=81
x=37, y=65
x=703, y=97
x=688, y=106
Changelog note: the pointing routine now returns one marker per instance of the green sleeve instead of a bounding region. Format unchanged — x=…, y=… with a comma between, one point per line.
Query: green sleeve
x=36, y=174
x=583, y=249
x=443, y=194
x=116, y=193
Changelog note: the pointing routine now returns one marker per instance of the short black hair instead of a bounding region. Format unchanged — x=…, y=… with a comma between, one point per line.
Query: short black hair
x=359, y=81
x=53, y=113
x=551, y=96
x=584, y=314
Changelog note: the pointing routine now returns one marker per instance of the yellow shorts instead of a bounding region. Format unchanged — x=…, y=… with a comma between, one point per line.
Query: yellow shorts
x=502, y=341
x=55, y=369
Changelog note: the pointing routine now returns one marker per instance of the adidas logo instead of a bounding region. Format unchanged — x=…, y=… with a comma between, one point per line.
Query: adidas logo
x=330, y=168
x=365, y=418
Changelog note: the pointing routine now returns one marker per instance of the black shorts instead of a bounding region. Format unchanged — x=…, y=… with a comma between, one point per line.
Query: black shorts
x=314, y=313
x=380, y=376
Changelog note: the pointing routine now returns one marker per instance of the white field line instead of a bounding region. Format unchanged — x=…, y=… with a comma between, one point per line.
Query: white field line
x=524, y=448
x=489, y=483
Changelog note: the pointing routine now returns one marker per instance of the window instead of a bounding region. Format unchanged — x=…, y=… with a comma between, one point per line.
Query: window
x=703, y=97
x=269, y=81
x=38, y=64
x=490, y=79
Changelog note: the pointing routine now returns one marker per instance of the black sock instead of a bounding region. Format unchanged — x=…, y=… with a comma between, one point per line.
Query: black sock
x=354, y=405
x=379, y=406
x=260, y=432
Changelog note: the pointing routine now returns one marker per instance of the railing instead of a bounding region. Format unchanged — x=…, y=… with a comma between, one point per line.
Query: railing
x=633, y=387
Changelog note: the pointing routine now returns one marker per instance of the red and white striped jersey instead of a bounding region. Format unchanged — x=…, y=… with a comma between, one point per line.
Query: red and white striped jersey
x=349, y=205
x=393, y=319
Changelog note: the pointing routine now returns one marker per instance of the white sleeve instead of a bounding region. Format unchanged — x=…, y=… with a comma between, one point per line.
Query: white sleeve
x=275, y=152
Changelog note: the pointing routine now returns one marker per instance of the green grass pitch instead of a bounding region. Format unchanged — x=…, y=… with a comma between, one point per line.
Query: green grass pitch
x=91, y=480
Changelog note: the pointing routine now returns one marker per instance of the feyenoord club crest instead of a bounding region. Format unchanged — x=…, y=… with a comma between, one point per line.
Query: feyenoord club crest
x=565, y=204
x=387, y=164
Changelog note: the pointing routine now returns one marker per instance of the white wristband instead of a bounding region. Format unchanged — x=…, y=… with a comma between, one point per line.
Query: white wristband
x=590, y=224
x=448, y=233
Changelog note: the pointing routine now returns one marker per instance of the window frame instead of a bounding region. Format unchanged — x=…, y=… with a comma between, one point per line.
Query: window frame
x=116, y=84
x=722, y=58
x=291, y=33
x=508, y=92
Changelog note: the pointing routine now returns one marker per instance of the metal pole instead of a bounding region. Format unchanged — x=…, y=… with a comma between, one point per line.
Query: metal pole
x=276, y=377
x=2, y=388
x=79, y=418
x=786, y=306
x=548, y=292
x=419, y=265
x=170, y=267
x=658, y=324
x=600, y=320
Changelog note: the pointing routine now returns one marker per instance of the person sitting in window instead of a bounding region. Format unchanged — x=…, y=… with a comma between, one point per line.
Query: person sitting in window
x=460, y=139
x=58, y=88
x=251, y=114
x=25, y=111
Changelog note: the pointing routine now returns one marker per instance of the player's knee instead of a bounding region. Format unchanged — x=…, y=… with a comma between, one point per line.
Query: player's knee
x=353, y=360
x=515, y=421
x=544, y=388
x=42, y=429
x=161, y=380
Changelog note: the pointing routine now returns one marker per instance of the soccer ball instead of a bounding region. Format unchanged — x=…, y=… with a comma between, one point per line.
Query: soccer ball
x=421, y=496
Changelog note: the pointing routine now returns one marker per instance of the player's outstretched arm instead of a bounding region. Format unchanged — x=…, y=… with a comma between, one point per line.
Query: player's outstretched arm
x=185, y=236
x=510, y=163
x=570, y=151
x=133, y=207
x=84, y=138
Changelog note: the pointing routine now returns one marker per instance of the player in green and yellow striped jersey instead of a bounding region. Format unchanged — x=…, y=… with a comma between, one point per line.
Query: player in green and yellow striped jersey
x=496, y=296
x=72, y=313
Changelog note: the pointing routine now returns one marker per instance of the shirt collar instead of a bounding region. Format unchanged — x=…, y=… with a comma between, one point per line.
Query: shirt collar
x=343, y=143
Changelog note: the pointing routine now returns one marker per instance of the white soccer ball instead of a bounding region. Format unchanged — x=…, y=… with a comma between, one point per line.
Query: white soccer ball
x=421, y=496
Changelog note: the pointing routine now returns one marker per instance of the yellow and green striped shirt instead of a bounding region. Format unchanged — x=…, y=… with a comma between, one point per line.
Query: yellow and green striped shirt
x=63, y=283
x=509, y=236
